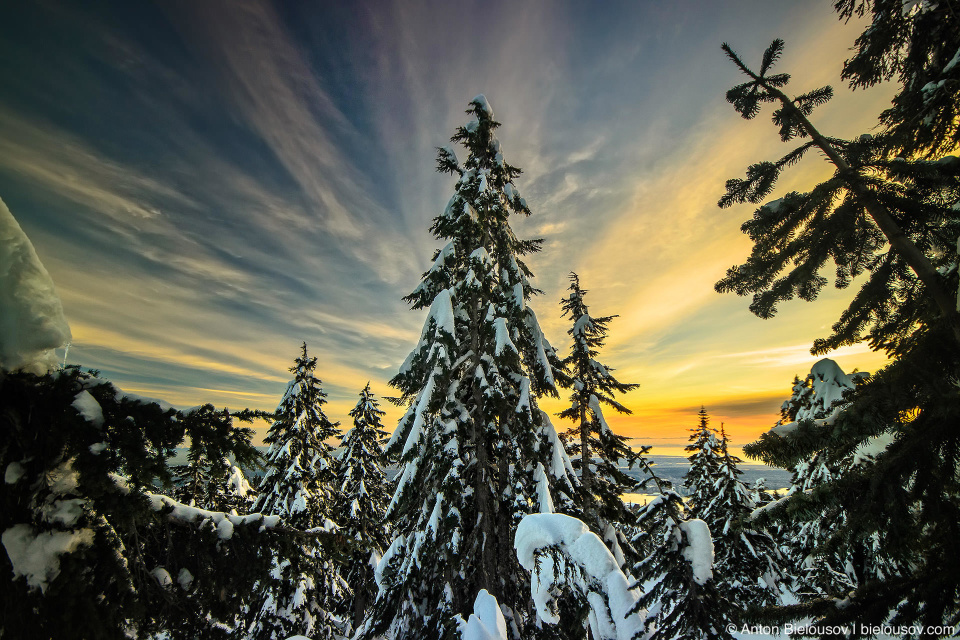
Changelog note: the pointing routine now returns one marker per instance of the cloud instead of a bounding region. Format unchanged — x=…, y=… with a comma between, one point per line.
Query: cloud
x=44, y=155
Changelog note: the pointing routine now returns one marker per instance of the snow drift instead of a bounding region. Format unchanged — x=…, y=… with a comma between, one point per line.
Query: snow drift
x=32, y=324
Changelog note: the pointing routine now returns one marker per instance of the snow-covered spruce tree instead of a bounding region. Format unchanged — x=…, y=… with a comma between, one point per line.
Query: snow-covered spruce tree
x=704, y=450
x=746, y=568
x=299, y=485
x=799, y=401
x=362, y=502
x=204, y=480
x=595, y=449
x=90, y=549
x=895, y=219
x=676, y=579
x=476, y=452
x=820, y=569
x=747, y=564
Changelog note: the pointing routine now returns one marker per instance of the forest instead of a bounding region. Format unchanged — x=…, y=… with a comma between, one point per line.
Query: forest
x=482, y=517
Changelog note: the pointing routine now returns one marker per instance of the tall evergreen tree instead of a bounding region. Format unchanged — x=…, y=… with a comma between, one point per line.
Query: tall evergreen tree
x=894, y=218
x=595, y=449
x=476, y=452
x=307, y=586
x=362, y=501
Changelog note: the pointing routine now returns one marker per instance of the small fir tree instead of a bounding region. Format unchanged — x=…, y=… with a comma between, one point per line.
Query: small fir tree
x=205, y=478
x=704, y=450
x=595, y=449
x=306, y=586
x=362, y=502
x=680, y=594
x=747, y=559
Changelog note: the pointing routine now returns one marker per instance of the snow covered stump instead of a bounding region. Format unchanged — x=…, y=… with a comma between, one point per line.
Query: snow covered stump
x=560, y=551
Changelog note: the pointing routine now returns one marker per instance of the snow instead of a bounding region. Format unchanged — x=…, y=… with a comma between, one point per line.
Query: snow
x=121, y=395
x=63, y=479
x=518, y=299
x=954, y=61
x=184, y=578
x=225, y=529
x=162, y=576
x=395, y=547
x=540, y=345
x=190, y=515
x=503, y=337
x=423, y=404
x=441, y=310
x=37, y=556
x=539, y=532
x=582, y=324
x=784, y=429
x=480, y=255
x=237, y=483
x=770, y=506
x=481, y=102
x=873, y=447
x=774, y=206
x=486, y=622
x=66, y=512
x=13, y=473
x=560, y=464
x=699, y=549
x=89, y=408
x=523, y=404
x=544, y=500
x=32, y=324
x=594, y=404
x=829, y=384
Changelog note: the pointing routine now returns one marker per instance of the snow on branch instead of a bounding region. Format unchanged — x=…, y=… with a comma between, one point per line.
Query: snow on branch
x=561, y=552
x=224, y=523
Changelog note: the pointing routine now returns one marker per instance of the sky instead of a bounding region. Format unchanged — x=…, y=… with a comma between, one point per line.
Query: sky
x=211, y=184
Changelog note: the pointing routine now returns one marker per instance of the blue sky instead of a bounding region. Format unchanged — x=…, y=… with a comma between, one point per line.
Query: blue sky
x=209, y=184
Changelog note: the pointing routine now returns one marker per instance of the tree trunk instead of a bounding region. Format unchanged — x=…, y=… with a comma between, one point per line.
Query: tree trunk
x=586, y=473
x=483, y=474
